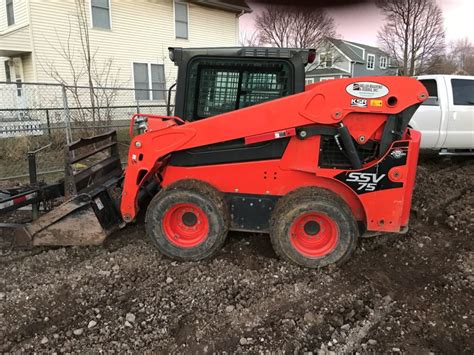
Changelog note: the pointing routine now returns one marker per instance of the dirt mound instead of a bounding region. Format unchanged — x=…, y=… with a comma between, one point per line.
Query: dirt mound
x=411, y=293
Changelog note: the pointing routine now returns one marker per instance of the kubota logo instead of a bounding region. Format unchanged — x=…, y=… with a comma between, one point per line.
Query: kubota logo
x=366, y=181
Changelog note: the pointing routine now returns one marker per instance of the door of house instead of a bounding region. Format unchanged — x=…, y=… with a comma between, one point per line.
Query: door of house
x=16, y=75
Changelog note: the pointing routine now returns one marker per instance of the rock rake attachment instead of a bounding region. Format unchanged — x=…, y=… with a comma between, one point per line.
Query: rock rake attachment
x=86, y=199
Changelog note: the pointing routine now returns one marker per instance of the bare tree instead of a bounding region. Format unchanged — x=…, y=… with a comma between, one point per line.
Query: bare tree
x=413, y=33
x=84, y=67
x=250, y=39
x=291, y=26
x=462, y=53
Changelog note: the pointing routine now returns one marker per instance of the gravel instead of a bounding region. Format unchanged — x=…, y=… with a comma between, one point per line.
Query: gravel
x=409, y=293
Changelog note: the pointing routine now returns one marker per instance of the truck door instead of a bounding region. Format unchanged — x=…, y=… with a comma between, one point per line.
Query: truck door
x=428, y=118
x=461, y=114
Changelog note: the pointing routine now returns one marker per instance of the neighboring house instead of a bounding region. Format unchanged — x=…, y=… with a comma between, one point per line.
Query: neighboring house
x=339, y=58
x=132, y=37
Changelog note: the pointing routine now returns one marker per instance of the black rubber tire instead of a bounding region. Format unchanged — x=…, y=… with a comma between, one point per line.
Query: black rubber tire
x=312, y=199
x=204, y=196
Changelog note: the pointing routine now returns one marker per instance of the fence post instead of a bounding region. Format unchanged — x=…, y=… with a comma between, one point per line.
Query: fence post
x=66, y=116
x=33, y=182
x=48, y=122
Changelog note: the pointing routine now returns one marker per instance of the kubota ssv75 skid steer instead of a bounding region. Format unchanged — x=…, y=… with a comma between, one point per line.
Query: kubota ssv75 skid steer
x=251, y=148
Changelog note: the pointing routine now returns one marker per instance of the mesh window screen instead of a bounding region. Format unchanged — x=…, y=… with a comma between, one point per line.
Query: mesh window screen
x=219, y=91
x=217, y=87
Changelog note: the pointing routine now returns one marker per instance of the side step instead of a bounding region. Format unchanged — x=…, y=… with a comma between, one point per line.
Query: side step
x=458, y=153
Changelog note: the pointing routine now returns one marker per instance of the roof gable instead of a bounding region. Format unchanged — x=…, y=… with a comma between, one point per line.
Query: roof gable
x=350, y=49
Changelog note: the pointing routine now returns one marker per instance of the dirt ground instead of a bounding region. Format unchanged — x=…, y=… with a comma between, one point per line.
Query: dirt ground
x=399, y=293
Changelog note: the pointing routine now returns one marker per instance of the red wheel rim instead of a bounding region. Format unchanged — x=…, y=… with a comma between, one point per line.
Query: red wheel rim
x=185, y=225
x=314, y=234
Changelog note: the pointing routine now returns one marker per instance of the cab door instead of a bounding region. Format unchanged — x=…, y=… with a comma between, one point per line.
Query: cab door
x=460, y=133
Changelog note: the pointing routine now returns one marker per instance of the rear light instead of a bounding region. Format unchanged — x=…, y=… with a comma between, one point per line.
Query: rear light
x=311, y=55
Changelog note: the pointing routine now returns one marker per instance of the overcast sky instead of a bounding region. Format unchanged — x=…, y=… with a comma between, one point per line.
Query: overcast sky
x=360, y=23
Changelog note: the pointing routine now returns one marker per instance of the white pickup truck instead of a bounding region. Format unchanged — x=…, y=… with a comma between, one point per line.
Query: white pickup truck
x=446, y=119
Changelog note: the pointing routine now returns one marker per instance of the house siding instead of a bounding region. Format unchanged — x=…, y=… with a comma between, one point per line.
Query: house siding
x=17, y=39
x=141, y=31
x=28, y=68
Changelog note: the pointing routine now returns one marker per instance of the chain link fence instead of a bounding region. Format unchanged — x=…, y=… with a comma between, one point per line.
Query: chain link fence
x=33, y=115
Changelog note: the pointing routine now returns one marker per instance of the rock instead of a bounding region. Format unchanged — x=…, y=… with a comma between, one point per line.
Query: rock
x=44, y=340
x=169, y=280
x=229, y=308
x=115, y=268
x=128, y=324
x=346, y=327
x=130, y=317
x=92, y=324
x=350, y=315
x=387, y=300
x=78, y=331
x=396, y=350
x=2, y=295
x=372, y=341
x=243, y=341
x=309, y=317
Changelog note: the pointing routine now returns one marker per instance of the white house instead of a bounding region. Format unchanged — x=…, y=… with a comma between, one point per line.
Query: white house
x=128, y=40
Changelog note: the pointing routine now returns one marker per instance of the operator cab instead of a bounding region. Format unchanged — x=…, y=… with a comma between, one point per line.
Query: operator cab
x=212, y=81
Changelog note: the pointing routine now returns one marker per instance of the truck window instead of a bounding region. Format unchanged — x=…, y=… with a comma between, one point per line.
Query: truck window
x=218, y=86
x=463, y=91
x=432, y=87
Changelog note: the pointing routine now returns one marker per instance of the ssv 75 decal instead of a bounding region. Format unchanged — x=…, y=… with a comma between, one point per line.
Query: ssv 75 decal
x=375, y=178
x=367, y=181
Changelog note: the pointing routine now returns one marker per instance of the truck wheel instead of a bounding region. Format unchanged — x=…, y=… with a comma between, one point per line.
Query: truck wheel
x=313, y=228
x=187, y=221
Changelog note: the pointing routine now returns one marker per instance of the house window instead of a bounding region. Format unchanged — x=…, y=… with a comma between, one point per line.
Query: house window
x=8, y=75
x=370, y=61
x=383, y=62
x=325, y=60
x=149, y=81
x=308, y=81
x=181, y=20
x=327, y=78
x=100, y=10
x=10, y=13
x=158, y=86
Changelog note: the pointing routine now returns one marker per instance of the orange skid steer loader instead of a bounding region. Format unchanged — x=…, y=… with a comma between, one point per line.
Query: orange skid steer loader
x=251, y=148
